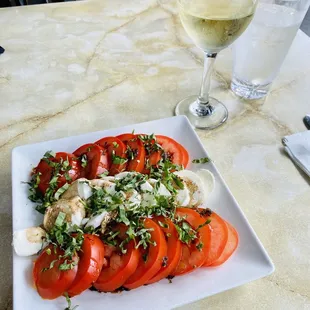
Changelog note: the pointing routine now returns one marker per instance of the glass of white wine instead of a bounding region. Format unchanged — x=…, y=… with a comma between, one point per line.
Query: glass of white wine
x=212, y=25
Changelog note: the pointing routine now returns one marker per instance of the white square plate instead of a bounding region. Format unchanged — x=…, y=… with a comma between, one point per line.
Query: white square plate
x=248, y=263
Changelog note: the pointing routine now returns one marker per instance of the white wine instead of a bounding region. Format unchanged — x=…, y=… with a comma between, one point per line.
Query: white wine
x=212, y=31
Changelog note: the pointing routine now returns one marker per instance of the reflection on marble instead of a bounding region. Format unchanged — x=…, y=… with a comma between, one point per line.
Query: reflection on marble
x=72, y=68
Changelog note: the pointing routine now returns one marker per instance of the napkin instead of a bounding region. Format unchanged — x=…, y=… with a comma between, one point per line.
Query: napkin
x=298, y=148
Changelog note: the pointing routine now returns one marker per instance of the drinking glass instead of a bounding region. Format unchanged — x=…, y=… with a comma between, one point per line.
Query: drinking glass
x=212, y=25
x=261, y=50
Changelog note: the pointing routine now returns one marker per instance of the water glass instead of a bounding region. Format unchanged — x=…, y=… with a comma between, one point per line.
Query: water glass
x=261, y=50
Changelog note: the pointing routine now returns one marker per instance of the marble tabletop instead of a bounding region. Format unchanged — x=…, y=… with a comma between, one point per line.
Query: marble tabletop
x=77, y=67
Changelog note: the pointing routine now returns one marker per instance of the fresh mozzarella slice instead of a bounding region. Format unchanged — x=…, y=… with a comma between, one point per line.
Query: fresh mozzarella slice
x=148, y=200
x=109, y=216
x=96, y=220
x=194, y=185
x=208, y=180
x=124, y=174
x=73, y=208
x=132, y=198
x=162, y=190
x=108, y=178
x=29, y=241
x=183, y=197
x=146, y=187
x=80, y=187
x=107, y=185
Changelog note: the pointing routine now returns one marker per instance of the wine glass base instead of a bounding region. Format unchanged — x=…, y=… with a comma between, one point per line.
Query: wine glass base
x=216, y=116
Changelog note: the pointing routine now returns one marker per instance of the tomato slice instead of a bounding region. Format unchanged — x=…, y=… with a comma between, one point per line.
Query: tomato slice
x=120, y=266
x=219, y=235
x=174, y=248
x=231, y=245
x=52, y=283
x=47, y=170
x=172, y=149
x=96, y=161
x=193, y=256
x=185, y=155
x=135, y=152
x=125, y=137
x=151, y=261
x=114, y=147
x=90, y=264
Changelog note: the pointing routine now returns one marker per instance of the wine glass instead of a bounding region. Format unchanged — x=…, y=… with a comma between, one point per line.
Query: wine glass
x=212, y=25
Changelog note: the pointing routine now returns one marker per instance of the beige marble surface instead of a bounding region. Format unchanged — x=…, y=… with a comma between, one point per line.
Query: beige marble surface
x=79, y=67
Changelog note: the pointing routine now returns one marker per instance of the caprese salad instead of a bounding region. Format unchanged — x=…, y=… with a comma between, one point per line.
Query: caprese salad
x=121, y=213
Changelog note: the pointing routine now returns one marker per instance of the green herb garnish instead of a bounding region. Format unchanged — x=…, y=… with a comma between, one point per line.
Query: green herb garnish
x=202, y=160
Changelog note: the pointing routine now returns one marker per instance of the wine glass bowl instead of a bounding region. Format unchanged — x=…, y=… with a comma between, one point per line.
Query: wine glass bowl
x=212, y=25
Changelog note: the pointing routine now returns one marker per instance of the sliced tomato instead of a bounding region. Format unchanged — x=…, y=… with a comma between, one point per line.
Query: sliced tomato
x=185, y=155
x=193, y=254
x=135, y=152
x=116, y=151
x=151, y=260
x=172, y=149
x=219, y=235
x=119, y=266
x=96, y=161
x=90, y=265
x=52, y=282
x=231, y=245
x=126, y=137
x=46, y=168
x=174, y=248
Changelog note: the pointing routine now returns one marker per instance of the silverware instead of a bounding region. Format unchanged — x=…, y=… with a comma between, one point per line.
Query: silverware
x=307, y=121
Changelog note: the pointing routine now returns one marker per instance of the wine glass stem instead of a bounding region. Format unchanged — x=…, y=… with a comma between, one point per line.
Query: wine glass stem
x=204, y=108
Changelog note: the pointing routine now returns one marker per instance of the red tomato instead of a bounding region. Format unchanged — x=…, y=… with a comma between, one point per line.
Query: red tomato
x=47, y=170
x=96, y=160
x=193, y=257
x=172, y=149
x=53, y=282
x=136, y=150
x=125, y=137
x=231, y=245
x=219, y=236
x=174, y=248
x=119, y=266
x=116, y=147
x=90, y=264
x=152, y=260
x=185, y=155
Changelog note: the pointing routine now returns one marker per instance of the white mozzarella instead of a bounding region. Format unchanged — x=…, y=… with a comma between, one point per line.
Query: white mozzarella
x=162, y=190
x=29, y=241
x=96, y=220
x=73, y=208
x=107, y=185
x=208, y=180
x=195, y=186
x=124, y=174
x=133, y=198
x=183, y=197
x=148, y=200
x=80, y=187
x=146, y=187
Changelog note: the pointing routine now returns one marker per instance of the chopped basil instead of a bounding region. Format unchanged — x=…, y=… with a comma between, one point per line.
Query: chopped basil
x=104, y=174
x=118, y=160
x=202, y=160
x=115, y=144
x=208, y=221
x=69, y=303
x=84, y=160
x=60, y=218
x=61, y=190
x=199, y=246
